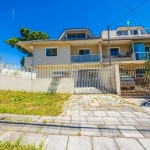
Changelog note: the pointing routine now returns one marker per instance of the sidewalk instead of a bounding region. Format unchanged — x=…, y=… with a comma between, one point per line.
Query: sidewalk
x=88, y=122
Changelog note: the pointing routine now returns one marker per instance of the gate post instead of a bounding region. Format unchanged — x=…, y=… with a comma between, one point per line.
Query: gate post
x=117, y=79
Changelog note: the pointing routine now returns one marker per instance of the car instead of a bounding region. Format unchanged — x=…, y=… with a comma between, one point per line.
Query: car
x=127, y=81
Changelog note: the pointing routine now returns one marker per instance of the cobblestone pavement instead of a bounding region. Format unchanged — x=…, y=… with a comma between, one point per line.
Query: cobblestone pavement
x=88, y=122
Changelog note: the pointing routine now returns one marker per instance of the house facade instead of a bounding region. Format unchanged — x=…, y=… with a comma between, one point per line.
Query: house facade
x=81, y=47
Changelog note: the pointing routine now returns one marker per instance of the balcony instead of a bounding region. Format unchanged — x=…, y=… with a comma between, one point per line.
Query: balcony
x=28, y=61
x=85, y=58
x=117, y=59
x=141, y=55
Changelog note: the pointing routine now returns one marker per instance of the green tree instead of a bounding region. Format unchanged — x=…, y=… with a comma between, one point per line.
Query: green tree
x=148, y=65
x=26, y=35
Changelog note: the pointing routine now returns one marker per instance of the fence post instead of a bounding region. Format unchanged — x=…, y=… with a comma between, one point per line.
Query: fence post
x=117, y=79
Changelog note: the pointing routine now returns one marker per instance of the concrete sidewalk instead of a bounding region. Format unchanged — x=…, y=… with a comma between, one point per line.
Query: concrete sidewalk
x=88, y=122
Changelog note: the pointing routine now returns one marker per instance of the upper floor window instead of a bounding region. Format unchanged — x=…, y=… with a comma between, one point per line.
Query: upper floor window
x=114, y=52
x=122, y=33
x=51, y=51
x=134, y=32
x=76, y=35
x=84, y=51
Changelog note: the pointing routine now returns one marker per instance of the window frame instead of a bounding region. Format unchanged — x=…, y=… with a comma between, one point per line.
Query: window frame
x=139, y=74
x=84, y=49
x=51, y=48
x=133, y=31
x=122, y=31
x=112, y=48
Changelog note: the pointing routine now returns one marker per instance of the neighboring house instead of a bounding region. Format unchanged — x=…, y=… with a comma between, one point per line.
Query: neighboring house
x=80, y=48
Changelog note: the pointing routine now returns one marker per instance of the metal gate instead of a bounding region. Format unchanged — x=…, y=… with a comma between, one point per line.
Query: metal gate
x=94, y=80
x=134, y=81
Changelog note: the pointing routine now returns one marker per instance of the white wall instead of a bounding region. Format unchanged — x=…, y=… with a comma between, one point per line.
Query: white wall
x=36, y=85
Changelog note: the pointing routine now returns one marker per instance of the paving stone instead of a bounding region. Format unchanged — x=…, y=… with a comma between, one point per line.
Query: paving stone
x=2, y=124
x=73, y=113
x=70, y=129
x=66, y=119
x=56, y=142
x=144, y=130
x=143, y=121
x=79, y=143
x=79, y=120
x=102, y=108
x=111, y=121
x=12, y=127
x=127, y=109
x=33, y=138
x=113, y=114
x=109, y=131
x=145, y=143
x=90, y=130
x=11, y=136
x=86, y=113
x=128, y=114
x=99, y=113
x=95, y=120
x=124, y=121
x=94, y=104
x=130, y=131
x=31, y=128
x=142, y=115
x=128, y=144
x=132, y=121
x=1, y=131
x=102, y=143
x=51, y=129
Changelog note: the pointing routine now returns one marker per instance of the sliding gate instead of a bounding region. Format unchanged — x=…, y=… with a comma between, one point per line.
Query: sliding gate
x=95, y=80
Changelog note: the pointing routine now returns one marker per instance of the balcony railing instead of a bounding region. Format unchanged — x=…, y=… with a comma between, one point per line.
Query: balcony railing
x=85, y=58
x=141, y=55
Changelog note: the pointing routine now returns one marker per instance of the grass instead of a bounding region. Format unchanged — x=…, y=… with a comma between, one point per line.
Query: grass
x=17, y=102
x=18, y=146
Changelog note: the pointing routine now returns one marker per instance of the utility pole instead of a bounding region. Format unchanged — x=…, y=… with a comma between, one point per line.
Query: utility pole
x=109, y=45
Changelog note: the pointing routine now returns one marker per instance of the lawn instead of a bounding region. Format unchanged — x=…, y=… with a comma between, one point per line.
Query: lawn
x=31, y=103
x=18, y=146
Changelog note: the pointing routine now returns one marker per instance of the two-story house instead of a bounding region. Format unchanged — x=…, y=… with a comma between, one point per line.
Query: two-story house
x=81, y=48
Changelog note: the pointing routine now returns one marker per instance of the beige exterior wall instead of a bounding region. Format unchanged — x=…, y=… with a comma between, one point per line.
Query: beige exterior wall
x=63, y=55
x=123, y=48
x=94, y=49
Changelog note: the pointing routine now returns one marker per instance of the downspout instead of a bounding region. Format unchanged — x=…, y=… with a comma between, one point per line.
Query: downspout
x=32, y=61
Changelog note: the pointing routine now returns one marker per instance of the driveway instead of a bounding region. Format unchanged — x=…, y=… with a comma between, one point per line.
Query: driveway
x=88, y=122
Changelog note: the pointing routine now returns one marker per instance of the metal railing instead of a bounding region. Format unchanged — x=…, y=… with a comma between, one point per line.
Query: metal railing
x=85, y=58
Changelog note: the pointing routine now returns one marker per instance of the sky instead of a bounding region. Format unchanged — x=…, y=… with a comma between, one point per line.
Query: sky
x=53, y=16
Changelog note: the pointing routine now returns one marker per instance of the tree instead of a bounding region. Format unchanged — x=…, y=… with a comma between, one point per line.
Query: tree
x=26, y=35
x=22, y=61
x=148, y=65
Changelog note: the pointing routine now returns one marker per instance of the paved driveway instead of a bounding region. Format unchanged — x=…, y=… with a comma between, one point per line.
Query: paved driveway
x=88, y=122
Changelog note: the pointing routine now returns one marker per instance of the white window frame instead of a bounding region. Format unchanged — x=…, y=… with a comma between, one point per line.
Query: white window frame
x=84, y=49
x=114, y=47
x=52, y=48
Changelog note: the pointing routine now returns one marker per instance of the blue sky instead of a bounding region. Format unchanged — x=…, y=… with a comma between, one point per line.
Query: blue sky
x=53, y=16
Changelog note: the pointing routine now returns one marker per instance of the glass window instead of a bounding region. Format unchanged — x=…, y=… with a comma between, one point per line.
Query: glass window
x=140, y=72
x=84, y=52
x=114, y=52
x=122, y=33
x=139, y=47
x=141, y=56
x=134, y=32
x=51, y=51
x=76, y=35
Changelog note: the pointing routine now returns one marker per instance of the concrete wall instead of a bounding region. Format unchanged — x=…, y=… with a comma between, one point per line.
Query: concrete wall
x=63, y=55
x=94, y=49
x=36, y=85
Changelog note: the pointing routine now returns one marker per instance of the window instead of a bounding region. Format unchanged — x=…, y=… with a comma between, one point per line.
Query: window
x=84, y=52
x=122, y=33
x=51, y=51
x=134, y=32
x=139, y=47
x=76, y=35
x=114, y=52
x=140, y=72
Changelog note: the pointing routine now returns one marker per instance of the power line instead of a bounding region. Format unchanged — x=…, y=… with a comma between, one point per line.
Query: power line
x=134, y=10
x=129, y=12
